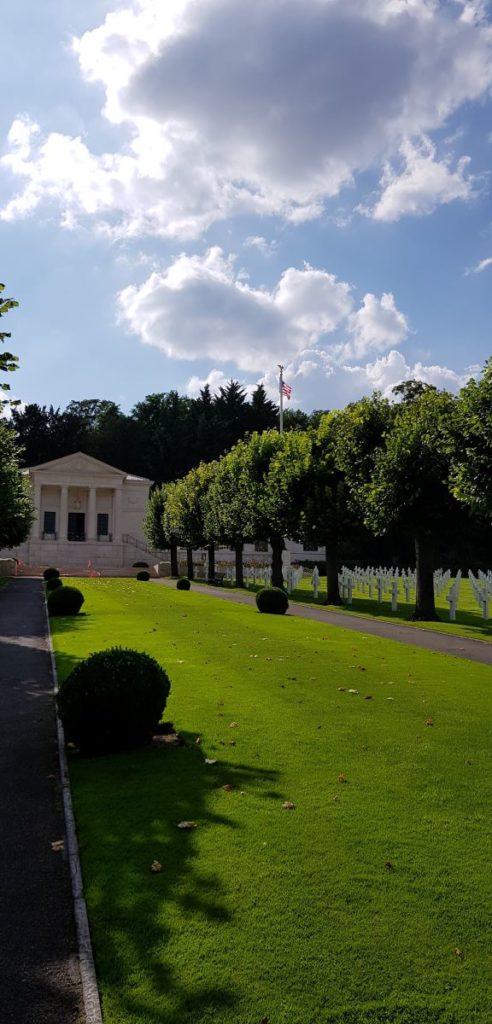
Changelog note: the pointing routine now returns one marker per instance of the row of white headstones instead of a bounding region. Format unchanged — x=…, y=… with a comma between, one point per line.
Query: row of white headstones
x=380, y=584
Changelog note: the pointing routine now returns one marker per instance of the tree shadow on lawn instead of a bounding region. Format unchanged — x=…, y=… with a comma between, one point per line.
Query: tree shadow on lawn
x=128, y=807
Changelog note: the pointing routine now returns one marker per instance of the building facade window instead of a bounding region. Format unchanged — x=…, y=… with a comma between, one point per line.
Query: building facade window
x=49, y=525
x=102, y=524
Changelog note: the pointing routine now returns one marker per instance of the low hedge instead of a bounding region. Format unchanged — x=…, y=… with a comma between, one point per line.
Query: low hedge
x=54, y=583
x=51, y=574
x=272, y=600
x=143, y=575
x=65, y=601
x=183, y=583
x=113, y=700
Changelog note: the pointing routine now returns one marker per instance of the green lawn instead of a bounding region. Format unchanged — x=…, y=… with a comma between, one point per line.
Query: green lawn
x=346, y=910
x=469, y=619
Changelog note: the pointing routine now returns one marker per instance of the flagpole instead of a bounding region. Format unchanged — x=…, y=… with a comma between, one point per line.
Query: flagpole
x=281, y=418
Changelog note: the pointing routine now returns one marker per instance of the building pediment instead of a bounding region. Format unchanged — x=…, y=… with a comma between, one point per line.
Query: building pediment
x=80, y=465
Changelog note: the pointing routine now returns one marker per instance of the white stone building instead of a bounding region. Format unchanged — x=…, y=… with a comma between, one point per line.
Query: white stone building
x=86, y=511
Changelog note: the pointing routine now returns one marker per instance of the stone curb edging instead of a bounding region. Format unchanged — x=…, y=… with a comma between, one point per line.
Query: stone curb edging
x=90, y=990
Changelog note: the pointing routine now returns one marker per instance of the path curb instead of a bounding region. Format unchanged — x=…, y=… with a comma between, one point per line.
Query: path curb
x=90, y=990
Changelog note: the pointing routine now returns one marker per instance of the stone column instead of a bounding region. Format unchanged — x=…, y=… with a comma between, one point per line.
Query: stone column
x=63, y=523
x=116, y=525
x=37, y=526
x=91, y=516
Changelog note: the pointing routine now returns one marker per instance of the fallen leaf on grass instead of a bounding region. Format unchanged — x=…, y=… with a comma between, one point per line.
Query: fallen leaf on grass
x=228, y=787
x=155, y=867
x=232, y=725
x=352, y=691
x=342, y=777
x=342, y=689
x=210, y=760
x=288, y=806
x=429, y=721
x=264, y=1020
x=58, y=846
x=232, y=743
x=458, y=952
x=188, y=824
x=360, y=668
x=389, y=866
x=390, y=698
x=369, y=697
x=198, y=741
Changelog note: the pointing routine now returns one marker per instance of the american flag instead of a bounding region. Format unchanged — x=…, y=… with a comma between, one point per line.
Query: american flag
x=285, y=389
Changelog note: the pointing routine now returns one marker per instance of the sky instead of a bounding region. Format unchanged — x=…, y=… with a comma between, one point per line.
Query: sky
x=198, y=190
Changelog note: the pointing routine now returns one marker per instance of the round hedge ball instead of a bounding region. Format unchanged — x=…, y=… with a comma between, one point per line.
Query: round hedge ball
x=183, y=583
x=54, y=583
x=143, y=575
x=51, y=574
x=65, y=601
x=113, y=700
x=272, y=600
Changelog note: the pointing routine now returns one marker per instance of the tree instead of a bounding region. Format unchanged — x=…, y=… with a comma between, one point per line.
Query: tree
x=185, y=513
x=277, y=468
x=472, y=443
x=154, y=525
x=327, y=513
x=226, y=516
x=8, y=362
x=405, y=482
x=16, y=507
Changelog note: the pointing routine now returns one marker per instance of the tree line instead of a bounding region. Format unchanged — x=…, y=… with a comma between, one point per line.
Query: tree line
x=163, y=436
x=417, y=468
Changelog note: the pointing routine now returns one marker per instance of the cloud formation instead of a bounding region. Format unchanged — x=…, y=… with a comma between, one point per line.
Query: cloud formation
x=255, y=108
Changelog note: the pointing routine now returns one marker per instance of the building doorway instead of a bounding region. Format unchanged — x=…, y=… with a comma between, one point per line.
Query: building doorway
x=76, y=526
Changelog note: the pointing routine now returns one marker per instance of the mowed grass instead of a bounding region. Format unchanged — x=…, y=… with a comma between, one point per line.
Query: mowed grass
x=469, y=619
x=370, y=903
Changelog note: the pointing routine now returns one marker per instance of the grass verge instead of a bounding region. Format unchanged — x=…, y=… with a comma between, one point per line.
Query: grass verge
x=349, y=909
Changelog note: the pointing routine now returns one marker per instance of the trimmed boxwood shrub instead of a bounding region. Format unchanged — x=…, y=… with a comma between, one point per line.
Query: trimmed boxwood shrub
x=183, y=583
x=51, y=574
x=65, y=601
x=272, y=600
x=113, y=700
x=140, y=565
x=53, y=583
x=143, y=575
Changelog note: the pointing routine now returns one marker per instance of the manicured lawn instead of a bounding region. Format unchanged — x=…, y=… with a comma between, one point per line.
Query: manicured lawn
x=469, y=620
x=346, y=910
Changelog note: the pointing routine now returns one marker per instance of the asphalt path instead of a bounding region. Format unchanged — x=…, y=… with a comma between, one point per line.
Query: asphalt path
x=39, y=972
x=429, y=639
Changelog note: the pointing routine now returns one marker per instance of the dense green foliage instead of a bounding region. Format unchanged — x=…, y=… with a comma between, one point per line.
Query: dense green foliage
x=16, y=507
x=183, y=583
x=53, y=583
x=272, y=600
x=113, y=700
x=8, y=362
x=51, y=573
x=65, y=601
x=348, y=908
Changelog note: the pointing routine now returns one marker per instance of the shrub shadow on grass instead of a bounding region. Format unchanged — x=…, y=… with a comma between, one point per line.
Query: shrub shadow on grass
x=128, y=807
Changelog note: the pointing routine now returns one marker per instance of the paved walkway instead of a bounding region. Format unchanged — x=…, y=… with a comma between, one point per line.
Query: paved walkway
x=39, y=973
x=430, y=639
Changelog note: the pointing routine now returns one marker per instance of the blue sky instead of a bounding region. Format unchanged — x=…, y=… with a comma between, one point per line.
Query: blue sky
x=197, y=191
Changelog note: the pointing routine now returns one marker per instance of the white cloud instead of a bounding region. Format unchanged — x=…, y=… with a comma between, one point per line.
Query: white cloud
x=480, y=267
x=199, y=307
x=422, y=184
x=378, y=324
x=238, y=108
x=262, y=244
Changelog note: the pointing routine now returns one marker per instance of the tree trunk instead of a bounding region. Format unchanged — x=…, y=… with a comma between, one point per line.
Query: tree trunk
x=189, y=559
x=277, y=543
x=425, y=608
x=332, y=587
x=211, y=561
x=238, y=548
x=174, y=557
